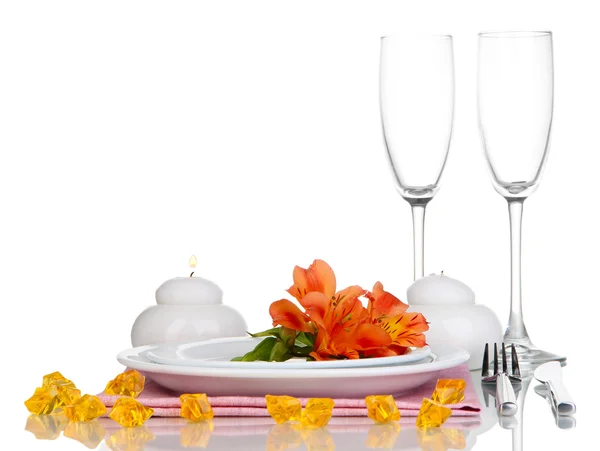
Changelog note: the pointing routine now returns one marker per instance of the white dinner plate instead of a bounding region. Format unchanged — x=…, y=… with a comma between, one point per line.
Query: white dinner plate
x=314, y=382
x=217, y=353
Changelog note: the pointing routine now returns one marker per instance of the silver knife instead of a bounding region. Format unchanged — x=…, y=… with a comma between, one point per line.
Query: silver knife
x=550, y=374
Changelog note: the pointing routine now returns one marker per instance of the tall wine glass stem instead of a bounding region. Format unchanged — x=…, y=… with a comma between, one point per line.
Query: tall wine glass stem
x=516, y=332
x=418, y=214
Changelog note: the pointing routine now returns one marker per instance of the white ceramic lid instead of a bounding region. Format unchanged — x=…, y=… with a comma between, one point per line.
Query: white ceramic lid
x=189, y=291
x=439, y=289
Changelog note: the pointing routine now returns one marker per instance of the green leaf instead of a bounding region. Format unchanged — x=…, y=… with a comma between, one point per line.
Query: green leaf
x=305, y=339
x=237, y=359
x=266, y=333
x=287, y=336
x=280, y=353
x=262, y=351
x=302, y=351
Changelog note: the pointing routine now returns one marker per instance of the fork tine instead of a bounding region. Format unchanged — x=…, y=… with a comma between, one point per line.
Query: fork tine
x=515, y=361
x=504, y=362
x=485, y=365
x=495, y=358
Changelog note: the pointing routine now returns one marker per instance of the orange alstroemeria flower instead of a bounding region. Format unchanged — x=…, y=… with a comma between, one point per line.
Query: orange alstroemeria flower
x=343, y=326
x=287, y=314
x=384, y=305
x=318, y=277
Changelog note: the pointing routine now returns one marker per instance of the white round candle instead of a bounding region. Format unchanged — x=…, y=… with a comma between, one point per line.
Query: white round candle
x=439, y=290
x=189, y=291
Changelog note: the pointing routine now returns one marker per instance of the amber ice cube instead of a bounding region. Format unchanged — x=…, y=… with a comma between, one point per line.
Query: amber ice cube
x=432, y=414
x=317, y=412
x=55, y=379
x=130, y=383
x=449, y=391
x=87, y=408
x=46, y=427
x=196, y=435
x=383, y=436
x=196, y=407
x=130, y=413
x=89, y=434
x=130, y=439
x=382, y=408
x=284, y=408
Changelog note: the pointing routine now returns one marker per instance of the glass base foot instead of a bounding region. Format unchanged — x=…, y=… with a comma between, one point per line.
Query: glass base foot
x=530, y=355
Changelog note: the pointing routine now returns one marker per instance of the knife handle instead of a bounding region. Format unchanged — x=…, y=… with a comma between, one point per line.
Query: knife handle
x=505, y=396
x=560, y=397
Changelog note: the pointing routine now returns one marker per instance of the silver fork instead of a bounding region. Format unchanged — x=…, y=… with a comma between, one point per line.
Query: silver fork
x=505, y=394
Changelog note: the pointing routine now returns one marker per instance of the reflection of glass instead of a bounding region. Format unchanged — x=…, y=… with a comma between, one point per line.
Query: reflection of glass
x=196, y=435
x=46, y=427
x=131, y=439
x=383, y=436
x=89, y=434
x=284, y=436
x=417, y=109
x=515, y=92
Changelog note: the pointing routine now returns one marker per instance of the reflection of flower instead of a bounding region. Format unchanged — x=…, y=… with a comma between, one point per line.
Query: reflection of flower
x=336, y=324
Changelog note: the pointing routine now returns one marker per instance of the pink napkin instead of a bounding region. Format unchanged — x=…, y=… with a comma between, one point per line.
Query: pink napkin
x=166, y=403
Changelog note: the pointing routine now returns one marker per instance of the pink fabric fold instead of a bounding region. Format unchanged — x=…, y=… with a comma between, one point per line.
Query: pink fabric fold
x=166, y=403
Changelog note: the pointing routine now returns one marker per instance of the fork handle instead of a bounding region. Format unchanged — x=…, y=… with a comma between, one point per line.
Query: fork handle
x=505, y=396
x=560, y=397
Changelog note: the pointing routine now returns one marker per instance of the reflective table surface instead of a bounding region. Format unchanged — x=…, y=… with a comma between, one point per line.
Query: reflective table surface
x=535, y=426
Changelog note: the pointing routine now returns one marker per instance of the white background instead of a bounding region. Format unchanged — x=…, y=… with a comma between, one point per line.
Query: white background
x=134, y=134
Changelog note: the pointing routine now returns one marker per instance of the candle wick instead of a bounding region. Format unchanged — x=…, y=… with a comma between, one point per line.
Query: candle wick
x=192, y=274
x=442, y=273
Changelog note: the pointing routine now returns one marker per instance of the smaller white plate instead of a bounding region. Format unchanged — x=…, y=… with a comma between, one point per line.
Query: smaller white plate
x=217, y=353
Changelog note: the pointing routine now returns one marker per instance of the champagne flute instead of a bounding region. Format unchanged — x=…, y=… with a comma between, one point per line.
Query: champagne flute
x=417, y=109
x=515, y=90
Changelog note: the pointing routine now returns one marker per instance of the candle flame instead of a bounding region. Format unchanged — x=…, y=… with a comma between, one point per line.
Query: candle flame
x=193, y=261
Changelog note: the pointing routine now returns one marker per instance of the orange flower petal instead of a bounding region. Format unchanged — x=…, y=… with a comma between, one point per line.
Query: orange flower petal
x=286, y=313
x=318, y=277
x=316, y=305
x=370, y=336
x=407, y=329
x=383, y=303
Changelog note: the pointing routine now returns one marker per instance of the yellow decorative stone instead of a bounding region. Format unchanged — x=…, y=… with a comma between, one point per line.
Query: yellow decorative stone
x=449, y=391
x=284, y=436
x=383, y=436
x=318, y=439
x=130, y=413
x=196, y=435
x=67, y=395
x=87, y=408
x=382, y=408
x=432, y=414
x=89, y=434
x=55, y=379
x=284, y=408
x=44, y=401
x=46, y=427
x=196, y=407
x=129, y=439
x=130, y=383
x=317, y=412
